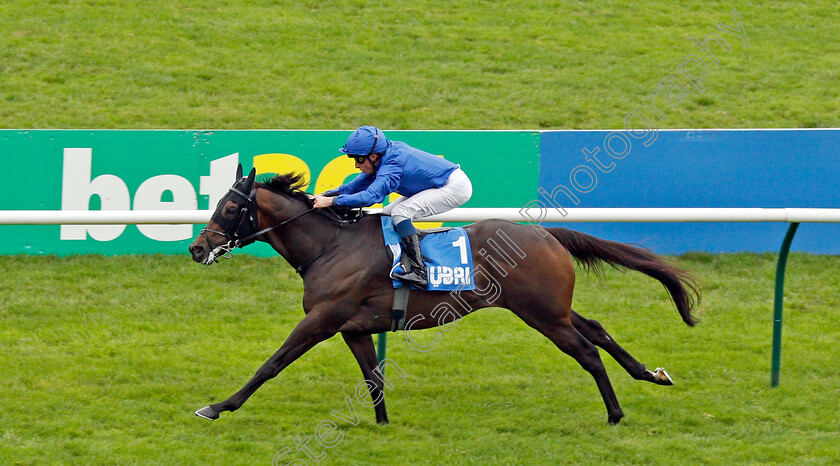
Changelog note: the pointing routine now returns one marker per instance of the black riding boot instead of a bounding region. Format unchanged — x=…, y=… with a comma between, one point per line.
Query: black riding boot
x=412, y=262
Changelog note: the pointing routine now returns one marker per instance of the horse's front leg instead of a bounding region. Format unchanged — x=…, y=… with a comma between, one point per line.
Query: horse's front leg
x=365, y=353
x=310, y=331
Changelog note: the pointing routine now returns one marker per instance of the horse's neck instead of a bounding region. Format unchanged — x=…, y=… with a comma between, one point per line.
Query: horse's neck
x=304, y=239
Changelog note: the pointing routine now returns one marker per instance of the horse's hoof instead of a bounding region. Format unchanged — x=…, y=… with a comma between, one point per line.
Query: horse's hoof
x=207, y=413
x=662, y=377
x=615, y=419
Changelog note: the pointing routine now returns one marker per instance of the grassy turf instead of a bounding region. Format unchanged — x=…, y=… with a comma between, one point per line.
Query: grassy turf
x=105, y=359
x=408, y=65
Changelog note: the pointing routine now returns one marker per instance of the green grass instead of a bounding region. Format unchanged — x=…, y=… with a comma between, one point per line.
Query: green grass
x=519, y=64
x=106, y=358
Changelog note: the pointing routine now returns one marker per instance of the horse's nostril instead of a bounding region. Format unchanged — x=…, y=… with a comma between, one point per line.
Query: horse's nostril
x=196, y=251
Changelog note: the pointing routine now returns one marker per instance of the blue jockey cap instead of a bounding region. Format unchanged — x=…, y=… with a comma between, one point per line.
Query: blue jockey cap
x=362, y=140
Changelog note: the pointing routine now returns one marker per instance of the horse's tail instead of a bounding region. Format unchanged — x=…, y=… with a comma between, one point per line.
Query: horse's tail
x=590, y=251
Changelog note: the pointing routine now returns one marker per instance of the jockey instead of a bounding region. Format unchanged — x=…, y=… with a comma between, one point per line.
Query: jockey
x=429, y=185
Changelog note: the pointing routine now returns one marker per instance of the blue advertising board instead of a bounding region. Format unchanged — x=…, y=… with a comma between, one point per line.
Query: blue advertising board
x=697, y=168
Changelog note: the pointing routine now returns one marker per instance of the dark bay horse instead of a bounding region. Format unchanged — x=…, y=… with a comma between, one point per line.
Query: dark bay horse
x=345, y=269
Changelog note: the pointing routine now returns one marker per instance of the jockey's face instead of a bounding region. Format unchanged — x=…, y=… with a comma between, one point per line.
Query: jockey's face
x=367, y=166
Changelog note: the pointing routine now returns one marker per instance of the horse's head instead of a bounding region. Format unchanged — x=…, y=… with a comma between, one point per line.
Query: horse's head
x=236, y=221
x=233, y=223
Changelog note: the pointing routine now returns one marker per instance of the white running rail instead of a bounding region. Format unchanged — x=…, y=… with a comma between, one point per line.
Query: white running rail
x=531, y=215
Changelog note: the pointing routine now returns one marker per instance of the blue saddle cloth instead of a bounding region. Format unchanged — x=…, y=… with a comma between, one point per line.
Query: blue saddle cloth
x=447, y=255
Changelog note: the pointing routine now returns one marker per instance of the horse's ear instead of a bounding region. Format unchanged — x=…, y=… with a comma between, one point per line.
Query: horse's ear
x=249, y=183
x=239, y=171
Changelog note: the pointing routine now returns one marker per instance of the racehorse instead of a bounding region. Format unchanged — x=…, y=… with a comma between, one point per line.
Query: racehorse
x=345, y=268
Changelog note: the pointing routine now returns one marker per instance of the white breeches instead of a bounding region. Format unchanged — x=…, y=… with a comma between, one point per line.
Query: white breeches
x=456, y=191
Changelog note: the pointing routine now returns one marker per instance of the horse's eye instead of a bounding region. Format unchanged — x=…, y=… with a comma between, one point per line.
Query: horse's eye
x=231, y=210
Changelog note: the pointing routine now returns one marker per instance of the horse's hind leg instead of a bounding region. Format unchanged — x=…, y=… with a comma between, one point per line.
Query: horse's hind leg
x=365, y=353
x=571, y=342
x=594, y=332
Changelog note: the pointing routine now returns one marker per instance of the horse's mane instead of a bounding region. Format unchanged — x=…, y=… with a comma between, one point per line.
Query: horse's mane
x=292, y=185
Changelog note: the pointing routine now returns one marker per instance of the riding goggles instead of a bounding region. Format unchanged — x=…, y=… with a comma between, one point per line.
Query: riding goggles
x=360, y=159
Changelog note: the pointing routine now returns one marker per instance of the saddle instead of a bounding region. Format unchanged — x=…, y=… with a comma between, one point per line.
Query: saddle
x=446, y=255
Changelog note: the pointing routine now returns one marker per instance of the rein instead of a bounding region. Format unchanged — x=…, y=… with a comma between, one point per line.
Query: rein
x=240, y=242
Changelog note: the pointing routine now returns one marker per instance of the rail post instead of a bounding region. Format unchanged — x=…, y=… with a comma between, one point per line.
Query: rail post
x=381, y=342
x=776, y=361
